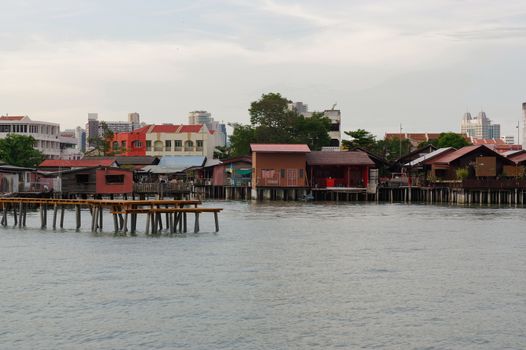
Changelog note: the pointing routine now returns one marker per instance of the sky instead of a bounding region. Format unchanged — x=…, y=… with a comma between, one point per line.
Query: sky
x=419, y=63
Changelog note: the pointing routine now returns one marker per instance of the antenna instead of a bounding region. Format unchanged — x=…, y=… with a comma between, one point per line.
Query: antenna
x=334, y=105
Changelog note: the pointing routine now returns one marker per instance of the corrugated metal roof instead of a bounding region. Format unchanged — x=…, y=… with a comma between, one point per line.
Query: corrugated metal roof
x=175, y=164
x=429, y=156
x=81, y=163
x=128, y=160
x=275, y=148
x=450, y=157
x=339, y=158
x=518, y=158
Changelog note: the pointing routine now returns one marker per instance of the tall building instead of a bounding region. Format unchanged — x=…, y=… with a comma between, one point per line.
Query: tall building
x=46, y=135
x=479, y=127
x=205, y=118
x=92, y=128
x=523, y=125
x=334, y=115
x=135, y=120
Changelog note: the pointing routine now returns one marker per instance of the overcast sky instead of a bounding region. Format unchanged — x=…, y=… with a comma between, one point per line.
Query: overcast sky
x=421, y=63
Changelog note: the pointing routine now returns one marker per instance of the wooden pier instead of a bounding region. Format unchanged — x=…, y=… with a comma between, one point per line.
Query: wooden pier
x=124, y=212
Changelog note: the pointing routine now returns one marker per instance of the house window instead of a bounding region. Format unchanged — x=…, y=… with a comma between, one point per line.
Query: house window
x=168, y=145
x=188, y=146
x=115, y=145
x=148, y=145
x=136, y=144
x=82, y=178
x=123, y=145
x=301, y=174
x=158, y=146
x=114, y=179
x=178, y=145
x=282, y=172
x=199, y=145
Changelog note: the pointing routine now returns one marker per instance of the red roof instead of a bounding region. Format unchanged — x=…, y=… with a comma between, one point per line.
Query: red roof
x=488, y=141
x=518, y=158
x=142, y=130
x=14, y=117
x=450, y=157
x=81, y=163
x=191, y=128
x=285, y=148
x=339, y=158
x=165, y=128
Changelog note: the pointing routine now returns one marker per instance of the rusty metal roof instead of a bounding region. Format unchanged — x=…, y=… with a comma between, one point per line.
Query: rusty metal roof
x=450, y=157
x=279, y=148
x=339, y=158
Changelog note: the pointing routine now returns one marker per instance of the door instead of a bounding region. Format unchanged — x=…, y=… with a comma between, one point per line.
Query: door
x=292, y=177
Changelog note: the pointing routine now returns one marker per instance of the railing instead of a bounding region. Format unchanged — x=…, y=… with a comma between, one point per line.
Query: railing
x=158, y=187
x=503, y=184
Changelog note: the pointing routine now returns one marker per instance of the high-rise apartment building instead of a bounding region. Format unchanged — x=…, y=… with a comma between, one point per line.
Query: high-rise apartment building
x=479, y=127
x=217, y=128
x=334, y=115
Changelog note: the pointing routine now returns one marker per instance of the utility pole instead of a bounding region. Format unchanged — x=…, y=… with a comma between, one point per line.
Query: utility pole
x=400, y=140
x=518, y=121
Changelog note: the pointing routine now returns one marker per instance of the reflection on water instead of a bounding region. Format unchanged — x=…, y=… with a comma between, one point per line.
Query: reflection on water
x=276, y=276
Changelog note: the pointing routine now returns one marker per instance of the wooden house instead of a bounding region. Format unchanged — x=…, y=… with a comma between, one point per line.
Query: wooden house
x=278, y=167
x=62, y=164
x=478, y=161
x=339, y=169
x=97, y=180
x=233, y=172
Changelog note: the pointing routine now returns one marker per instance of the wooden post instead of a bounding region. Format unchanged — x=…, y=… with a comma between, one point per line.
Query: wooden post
x=196, y=223
x=4, y=215
x=15, y=215
x=100, y=212
x=62, y=209
x=115, y=222
x=125, y=228
x=216, y=221
x=147, y=223
x=55, y=211
x=185, y=228
x=77, y=215
x=21, y=210
x=93, y=218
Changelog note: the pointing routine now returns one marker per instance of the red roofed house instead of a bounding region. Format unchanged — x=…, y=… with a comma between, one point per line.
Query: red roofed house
x=339, y=169
x=167, y=140
x=479, y=161
x=279, y=170
x=60, y=164
x=498, y=145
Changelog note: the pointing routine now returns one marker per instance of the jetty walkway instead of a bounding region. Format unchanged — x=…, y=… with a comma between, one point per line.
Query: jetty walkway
x=124, y=212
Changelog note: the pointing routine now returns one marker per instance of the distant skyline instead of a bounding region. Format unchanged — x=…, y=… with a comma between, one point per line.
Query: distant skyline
x=421, y=64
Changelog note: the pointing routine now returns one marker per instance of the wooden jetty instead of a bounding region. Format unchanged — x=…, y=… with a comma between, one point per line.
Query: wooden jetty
x=124, y=212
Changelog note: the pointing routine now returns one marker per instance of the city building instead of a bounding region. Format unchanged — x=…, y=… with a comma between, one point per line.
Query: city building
x=218, y=129
x=479, y=126
x=333, y=114
x=69, y=145
x=46, y=134
x=166, y=140
x=94, y=127
x=509, y=140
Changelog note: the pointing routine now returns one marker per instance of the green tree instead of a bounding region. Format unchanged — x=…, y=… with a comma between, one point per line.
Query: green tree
x=451, y=139
x=272, y=122
x=240, y=140
x=102, y=144
x=360, y=138
x=19, y=150
x=390, y=148
x=313, y=131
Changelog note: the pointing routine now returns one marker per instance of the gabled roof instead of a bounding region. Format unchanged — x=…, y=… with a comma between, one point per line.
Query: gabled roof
x=429, y=148
x=240, y=159
x=339, y=158
x=451, y=157
x=82, y=163
x=477, y=142
x=78, y=170
x=375, y=157
x=429, y=156
x=279, y=148
x=12, y=117
x=518, y=157
x=129, y=160
x=170, y=128
x=175, y=164
x=191, y=128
